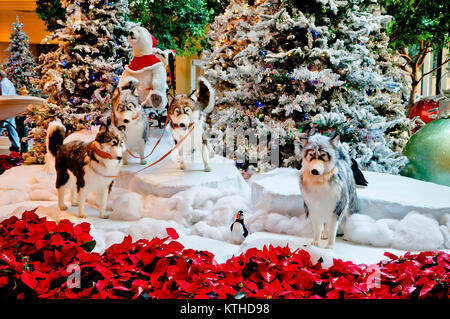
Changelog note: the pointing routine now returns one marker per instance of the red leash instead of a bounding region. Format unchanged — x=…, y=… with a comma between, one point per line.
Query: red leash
x=159, y=160
x=159, y=140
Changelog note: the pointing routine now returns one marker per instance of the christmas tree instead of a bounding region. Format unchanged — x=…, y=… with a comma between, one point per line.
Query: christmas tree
x=80, y=76
x=283, y=68
x=19, y=64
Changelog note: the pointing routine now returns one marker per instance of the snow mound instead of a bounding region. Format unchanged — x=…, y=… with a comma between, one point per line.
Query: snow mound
x=147, y=228
x=364, y=229
x=127, y=206
x=417, y=232
x=414, y=232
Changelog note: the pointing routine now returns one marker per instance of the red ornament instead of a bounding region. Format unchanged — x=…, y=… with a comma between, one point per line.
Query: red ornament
x=424, y=108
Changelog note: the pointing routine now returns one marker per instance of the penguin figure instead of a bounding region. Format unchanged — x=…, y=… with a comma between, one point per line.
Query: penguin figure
x=238, y=229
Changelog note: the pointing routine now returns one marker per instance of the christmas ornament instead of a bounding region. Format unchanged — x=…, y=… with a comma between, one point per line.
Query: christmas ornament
x=424, y=108
x=428, y=152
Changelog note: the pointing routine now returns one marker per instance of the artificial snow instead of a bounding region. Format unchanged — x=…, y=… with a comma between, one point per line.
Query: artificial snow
x=127, y=206
x=417, y=232
x=397, y=213
x=386, y=196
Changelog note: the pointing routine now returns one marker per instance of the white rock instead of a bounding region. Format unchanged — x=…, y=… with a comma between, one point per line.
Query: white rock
x=386, y=196
x=127, y=206
x=417, y=232
x=278, y=191
x=166, y=178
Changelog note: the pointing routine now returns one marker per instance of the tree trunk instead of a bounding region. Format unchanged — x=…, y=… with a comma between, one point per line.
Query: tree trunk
x=414, y=85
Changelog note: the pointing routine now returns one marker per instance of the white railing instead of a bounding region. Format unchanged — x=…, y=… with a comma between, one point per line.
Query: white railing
x=428, y=84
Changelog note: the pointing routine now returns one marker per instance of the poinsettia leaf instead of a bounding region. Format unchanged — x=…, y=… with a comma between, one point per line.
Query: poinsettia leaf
x=172, y=233
x=89, y=245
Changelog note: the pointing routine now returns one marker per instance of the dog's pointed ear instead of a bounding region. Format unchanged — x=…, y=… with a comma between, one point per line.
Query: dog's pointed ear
x=133, y=86
x=115, y=96
x=206, y=95
x=303, y=137
x=192, y=93
x=170, y=98
x=103, y=128
x=334, y=139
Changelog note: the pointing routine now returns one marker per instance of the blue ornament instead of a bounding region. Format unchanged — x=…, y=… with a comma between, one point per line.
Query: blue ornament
x=306, y=117
x=315, y=34
x=263, y=52
x=87, y=117
x=259, y=104
x=64, y=63
x=369, y=92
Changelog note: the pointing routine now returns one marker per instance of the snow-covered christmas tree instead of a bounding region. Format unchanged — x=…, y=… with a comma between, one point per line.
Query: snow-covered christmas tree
x=20, y=63
x=282, y=68
x=80, y=75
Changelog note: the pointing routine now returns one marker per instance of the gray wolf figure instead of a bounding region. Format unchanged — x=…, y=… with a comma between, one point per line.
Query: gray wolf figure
x=327, y=184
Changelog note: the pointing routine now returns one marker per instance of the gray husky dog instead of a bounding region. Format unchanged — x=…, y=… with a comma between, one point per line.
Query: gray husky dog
x=327, y=184
x=127, y=112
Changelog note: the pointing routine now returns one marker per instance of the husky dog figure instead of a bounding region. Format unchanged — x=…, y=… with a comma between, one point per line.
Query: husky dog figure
x=128, y=113
x=187, y=112
x=327, y=184
x=85, y=167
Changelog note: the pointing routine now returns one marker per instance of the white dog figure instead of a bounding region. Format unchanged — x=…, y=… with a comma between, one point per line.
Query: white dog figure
x=187, y=113
x=148, y=66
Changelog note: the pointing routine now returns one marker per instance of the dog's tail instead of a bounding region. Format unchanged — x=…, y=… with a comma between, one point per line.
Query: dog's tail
x=56, y=133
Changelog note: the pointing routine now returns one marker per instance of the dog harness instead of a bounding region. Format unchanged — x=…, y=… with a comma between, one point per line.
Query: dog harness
x=100, y=153
x=136, y=117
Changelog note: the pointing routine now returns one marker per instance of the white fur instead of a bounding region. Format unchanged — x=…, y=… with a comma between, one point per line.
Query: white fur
x=151, y=78
x=194, y=142
x=321, y=200
x=134, y=132
x=212, y=92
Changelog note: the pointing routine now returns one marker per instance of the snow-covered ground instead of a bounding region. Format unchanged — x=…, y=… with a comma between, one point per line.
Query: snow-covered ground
x=397, y=213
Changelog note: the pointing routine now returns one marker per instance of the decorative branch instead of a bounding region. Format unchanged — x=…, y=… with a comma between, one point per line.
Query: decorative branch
x=436, y=68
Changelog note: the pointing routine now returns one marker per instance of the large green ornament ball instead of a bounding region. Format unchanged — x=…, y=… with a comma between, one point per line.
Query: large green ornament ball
x=428, y=152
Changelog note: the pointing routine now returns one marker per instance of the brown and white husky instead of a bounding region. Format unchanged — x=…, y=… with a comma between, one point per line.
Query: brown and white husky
x=85, y=167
